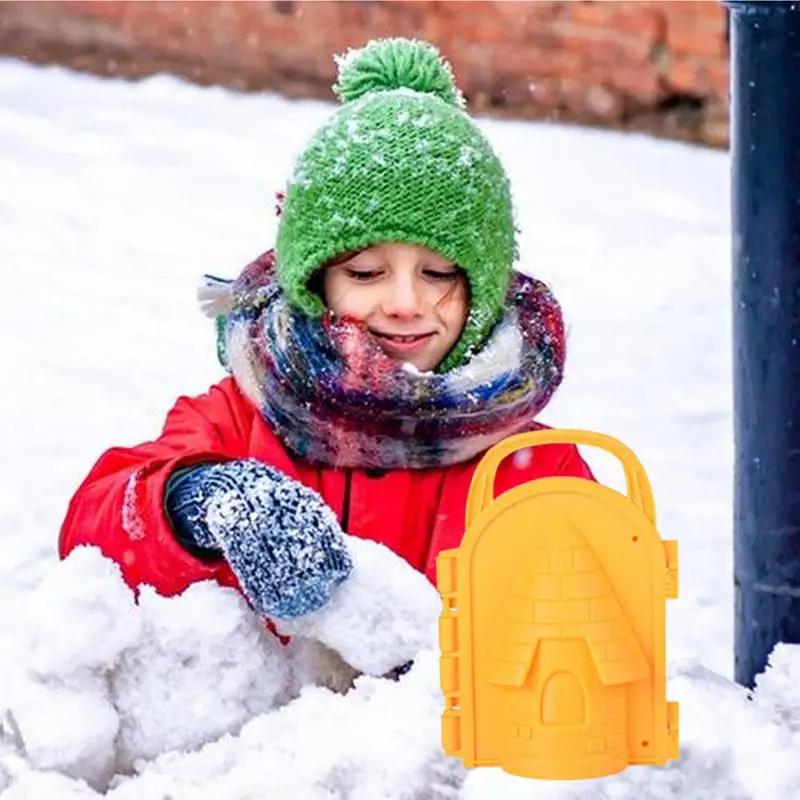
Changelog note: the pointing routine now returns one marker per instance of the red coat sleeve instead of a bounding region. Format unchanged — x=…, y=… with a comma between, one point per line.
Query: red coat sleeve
x=119, y=507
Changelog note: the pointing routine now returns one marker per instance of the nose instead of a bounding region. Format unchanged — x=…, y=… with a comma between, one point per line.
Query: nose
x=403, y=299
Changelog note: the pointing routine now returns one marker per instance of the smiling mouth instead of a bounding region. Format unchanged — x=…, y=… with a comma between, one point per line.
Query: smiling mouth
x=398, y=344
x=409, y=338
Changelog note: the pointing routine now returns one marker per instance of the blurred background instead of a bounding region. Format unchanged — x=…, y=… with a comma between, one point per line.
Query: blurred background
x=655, y=67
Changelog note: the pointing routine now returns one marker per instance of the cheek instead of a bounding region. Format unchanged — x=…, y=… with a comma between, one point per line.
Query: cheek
x=455, y=309
x=345, y=299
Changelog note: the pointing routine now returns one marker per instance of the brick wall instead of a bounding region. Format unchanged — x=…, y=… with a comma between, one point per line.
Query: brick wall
x=655, y=66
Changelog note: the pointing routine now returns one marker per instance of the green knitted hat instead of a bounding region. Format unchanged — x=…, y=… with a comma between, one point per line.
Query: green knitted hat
x=401, y=161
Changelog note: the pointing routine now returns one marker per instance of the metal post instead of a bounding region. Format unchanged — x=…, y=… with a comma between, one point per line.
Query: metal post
x=765, y=153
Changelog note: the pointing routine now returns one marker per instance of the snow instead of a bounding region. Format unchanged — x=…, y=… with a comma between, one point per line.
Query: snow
x=380, y=618
x=174, y=696
x=117, y=197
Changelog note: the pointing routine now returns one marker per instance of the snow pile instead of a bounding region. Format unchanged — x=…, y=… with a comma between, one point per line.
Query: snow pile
x=379, y=741
x=114, y=693
x=190, y=697
x=107, y=682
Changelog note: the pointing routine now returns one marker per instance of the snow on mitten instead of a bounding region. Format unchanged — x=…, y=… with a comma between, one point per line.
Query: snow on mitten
x=381, y=618
x=282, y=541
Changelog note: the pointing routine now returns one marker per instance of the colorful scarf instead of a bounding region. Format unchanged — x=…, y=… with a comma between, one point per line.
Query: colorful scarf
x=335, y=398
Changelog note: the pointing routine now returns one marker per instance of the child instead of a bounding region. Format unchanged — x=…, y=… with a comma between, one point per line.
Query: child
x=374, y=356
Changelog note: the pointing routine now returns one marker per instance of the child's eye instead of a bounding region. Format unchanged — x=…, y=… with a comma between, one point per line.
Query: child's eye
x=363, y=274
x=441, y=274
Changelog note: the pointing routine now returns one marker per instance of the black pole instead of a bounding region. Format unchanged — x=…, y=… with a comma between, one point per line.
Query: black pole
x=765, y=153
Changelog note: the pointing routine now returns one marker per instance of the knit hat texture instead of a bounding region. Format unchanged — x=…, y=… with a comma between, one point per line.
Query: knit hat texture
x=401, y=161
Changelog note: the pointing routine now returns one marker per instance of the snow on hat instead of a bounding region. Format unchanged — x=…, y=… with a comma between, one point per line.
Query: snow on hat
x=400, y=161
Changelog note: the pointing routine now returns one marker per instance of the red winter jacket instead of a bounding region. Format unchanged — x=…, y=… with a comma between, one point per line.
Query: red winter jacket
x=119, y=507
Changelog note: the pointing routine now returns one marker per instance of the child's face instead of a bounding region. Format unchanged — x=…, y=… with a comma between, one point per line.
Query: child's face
x=414, y=301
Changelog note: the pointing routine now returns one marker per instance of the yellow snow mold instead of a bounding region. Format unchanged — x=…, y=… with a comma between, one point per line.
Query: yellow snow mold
x=553, y=629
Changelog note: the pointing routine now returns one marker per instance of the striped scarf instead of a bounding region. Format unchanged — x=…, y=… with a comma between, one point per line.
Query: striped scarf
x=335, y=398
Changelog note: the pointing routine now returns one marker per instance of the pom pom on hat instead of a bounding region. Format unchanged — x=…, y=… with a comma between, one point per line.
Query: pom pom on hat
x=389, y=64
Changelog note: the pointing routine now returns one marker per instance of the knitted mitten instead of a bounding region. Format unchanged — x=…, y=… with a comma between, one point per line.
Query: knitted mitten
x=282, y=541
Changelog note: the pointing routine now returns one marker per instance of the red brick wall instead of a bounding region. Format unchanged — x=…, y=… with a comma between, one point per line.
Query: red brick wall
x=655, y=66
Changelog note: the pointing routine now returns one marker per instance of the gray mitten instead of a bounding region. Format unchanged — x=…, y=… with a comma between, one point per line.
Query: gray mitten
x=282, y=541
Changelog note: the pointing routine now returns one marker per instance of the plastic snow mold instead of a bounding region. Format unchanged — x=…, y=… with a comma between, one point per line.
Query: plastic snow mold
x=553, y=629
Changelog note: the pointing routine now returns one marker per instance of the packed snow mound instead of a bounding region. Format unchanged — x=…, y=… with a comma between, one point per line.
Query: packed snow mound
x=190, y=697
x=379, y=741
x=108, y=682
x=108, y=687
